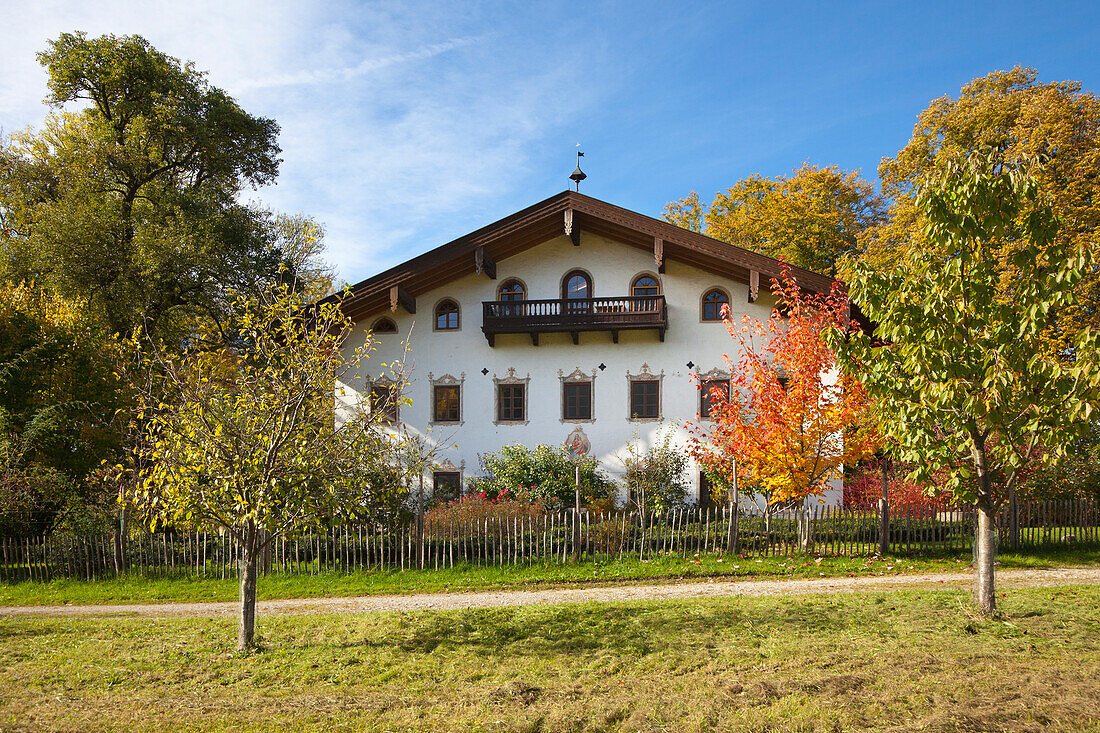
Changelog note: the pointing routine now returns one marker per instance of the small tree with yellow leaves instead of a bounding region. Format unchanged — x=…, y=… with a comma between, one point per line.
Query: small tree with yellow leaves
x=253, y=438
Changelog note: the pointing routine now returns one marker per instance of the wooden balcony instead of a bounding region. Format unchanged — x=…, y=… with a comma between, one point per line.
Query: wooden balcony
x=628, y=313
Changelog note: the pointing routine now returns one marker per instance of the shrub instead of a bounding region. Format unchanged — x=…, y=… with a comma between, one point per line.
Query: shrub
x=544, y=474
x=657, y=477
x=1077, y=478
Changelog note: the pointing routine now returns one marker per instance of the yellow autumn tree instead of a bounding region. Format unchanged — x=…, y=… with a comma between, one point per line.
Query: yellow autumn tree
x=1018, y=118
x=810, y=218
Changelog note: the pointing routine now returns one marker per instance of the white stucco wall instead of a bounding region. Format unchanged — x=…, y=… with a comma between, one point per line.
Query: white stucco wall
x=465, y=353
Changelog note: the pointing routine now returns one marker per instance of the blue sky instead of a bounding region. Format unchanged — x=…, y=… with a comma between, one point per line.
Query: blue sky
x=406, y=124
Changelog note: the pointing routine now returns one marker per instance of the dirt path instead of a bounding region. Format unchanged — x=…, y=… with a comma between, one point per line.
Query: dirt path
x=495, y=599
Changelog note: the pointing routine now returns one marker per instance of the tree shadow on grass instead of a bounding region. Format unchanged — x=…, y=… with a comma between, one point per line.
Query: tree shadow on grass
x=13, y=629
x=634, y=630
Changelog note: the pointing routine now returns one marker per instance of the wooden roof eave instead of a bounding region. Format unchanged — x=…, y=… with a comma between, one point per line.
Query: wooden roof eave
x=544, y=221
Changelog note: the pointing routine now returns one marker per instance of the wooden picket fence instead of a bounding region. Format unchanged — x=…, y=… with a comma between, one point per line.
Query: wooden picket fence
x=552, y=539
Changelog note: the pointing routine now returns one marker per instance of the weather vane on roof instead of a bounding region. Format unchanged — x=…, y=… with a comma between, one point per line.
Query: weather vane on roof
x=578, y=175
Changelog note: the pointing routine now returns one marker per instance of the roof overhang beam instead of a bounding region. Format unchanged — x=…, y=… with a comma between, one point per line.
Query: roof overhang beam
x=484, y=264
x=400, y=297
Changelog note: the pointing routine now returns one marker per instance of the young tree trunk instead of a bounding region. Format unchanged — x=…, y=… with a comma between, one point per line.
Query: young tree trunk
x=120, y=543
x=577, y=513
x=420, y=524
x=984, y=592
x=884, y=511
x=805, y=535
x=246, y=625
x=1013, y=515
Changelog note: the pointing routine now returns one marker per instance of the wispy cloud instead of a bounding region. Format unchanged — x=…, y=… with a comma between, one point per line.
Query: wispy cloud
x=404, y=124
x=366, y=66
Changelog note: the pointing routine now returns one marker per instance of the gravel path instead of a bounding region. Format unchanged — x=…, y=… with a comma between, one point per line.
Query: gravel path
x=496, y=599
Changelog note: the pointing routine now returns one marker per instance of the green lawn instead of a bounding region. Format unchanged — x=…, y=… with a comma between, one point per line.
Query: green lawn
x=137, y=589
x=902, y=661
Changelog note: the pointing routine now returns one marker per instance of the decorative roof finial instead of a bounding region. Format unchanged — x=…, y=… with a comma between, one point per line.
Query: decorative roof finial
x=578, y=175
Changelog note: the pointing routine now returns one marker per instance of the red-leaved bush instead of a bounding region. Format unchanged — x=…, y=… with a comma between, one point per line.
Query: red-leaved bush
x=863, y=488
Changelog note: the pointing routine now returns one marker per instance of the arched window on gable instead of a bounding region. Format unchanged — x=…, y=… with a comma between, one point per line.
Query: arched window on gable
x=576, y=289
x=446, y=315
x=384, y=325
x=576, y=285
x=714, y=300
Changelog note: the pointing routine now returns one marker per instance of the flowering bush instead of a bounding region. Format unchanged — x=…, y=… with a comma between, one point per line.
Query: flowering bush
x=482, y=506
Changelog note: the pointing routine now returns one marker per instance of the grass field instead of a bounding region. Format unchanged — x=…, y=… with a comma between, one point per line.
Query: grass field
x=898, y=661
x=139, y=589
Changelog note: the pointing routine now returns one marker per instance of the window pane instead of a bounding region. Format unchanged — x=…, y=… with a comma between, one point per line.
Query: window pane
x=645, y=399
x=445, y=403
x=512, y=290
x=706, y=497
x=446, y=316
x=383, y=399
x=712, y=305
x=577, y=401
x=645, y=286
x=510, y=403
x=706, y=394
x=577, y=286
x=446, y=485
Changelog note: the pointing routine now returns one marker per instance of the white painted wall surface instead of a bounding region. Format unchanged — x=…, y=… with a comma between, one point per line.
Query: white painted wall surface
x=464, y=353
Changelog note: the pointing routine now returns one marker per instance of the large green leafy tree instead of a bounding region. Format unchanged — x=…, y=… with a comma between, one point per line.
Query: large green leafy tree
x=58, y=397
x=247, y=438
x=811, y=218
x=1019, y=117
x=961, y=380
x=131, y=202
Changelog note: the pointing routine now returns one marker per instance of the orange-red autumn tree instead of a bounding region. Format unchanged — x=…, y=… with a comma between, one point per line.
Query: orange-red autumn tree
x=790, y=420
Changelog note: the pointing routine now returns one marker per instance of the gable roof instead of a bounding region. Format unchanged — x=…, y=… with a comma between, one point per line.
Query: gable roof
x=545, y=221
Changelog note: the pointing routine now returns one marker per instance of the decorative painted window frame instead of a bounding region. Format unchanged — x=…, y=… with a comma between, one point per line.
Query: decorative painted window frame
x=645, y=375
x=447, y=380
x=577, y=376
x=446, y=466
x=704, y=377
x=511, y=378
x=386, y=381
x=711, y=289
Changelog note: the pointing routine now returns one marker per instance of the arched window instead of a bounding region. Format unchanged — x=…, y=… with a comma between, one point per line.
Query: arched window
x=576, y=285
x=446, y=315
x=384, y=325
x=512, y=290
x=645, y=286
x=713, y=302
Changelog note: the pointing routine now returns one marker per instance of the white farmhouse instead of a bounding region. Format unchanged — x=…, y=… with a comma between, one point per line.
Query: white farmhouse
x=572, y=320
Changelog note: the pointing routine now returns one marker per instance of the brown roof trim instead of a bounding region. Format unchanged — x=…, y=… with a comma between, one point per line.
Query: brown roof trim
x=544, y=221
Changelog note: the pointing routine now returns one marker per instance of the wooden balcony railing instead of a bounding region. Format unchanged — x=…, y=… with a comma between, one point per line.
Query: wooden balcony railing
x=575, y=315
